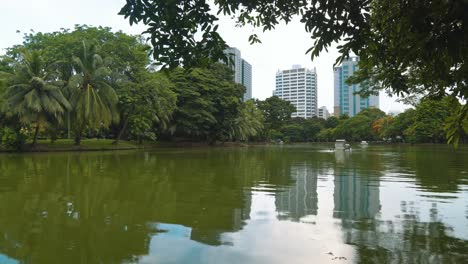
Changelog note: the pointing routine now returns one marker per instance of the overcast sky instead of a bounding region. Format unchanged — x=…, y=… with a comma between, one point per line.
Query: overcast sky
x=280, y=49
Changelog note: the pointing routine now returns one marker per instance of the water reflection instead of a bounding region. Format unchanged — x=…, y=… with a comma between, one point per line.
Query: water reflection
x=355, y=197
x=409, y=237
x=407, y=241
x=101, y=207
x=234, y=205
x=300, y=199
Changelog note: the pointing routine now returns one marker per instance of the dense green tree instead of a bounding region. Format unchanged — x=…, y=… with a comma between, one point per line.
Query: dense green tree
x=302, y=129
x=312, y=128
x=249, y=123
x=343, y=117
x=129, y=53
x=34, y=96
x=194, y=112
x=456, y=125
x=208, y=103
x=359, y=127
x=126, y=55
x=6, y=72
x=381, y=127
x=5, y=64
x=372, y=113
x=146, y=106
x=227, y=99
x=93, y=99
x=331, y=122
x=429, y=121
x=276, y=111
x=400, y=124
x=327, y=135
x=293, y=132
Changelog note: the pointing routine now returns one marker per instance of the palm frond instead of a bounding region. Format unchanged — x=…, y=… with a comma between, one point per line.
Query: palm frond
x=32, y=95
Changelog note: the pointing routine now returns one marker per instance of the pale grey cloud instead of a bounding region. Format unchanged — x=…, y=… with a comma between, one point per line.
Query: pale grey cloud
x=280, y=49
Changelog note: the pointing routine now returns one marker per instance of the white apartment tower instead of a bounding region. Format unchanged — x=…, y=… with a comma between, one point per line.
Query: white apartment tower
x=242, y=71
x=298, y=86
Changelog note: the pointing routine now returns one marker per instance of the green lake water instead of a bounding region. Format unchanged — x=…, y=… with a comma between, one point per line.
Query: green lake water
x=269, y=204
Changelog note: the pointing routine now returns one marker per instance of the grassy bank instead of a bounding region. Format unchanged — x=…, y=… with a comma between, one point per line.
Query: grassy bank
x=68, y=145
x=108, y=144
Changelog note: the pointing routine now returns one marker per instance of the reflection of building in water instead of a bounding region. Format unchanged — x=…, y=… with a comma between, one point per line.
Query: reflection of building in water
x=407, y=241
x=245, y=211
x=301, y=199
x=341, y=156
x=355, y=197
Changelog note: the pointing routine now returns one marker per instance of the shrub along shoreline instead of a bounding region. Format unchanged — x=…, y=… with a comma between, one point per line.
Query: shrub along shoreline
x=65, y=145
x=68, y=145
x=90, y=145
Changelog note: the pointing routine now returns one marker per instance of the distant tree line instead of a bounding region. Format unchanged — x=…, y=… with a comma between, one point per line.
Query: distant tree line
x=92, y=82
x=426, y=123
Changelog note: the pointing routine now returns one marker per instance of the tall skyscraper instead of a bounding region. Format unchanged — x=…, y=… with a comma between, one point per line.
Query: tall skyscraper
x=298, y=86
x=247, y=79
x=242, y=71
x=346, y=102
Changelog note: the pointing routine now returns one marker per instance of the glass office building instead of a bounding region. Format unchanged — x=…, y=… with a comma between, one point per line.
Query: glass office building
x=345, y=101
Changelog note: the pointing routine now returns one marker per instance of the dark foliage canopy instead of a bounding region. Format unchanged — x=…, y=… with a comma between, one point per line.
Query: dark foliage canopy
x=405, y=46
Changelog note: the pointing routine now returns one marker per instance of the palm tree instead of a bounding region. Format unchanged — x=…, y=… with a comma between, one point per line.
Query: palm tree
x=249, y=123
x=34, y=96
x=94, y=100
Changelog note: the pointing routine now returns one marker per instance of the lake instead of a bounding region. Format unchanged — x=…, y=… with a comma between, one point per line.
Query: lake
x=267, y=204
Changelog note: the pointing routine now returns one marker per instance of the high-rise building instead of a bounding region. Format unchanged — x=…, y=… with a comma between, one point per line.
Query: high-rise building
x=242, y=71
x=346, y=102
x=298, y=86
x=247, y=79
x=323, y=112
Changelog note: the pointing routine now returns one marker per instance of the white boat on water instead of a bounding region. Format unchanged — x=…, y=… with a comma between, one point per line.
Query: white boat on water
x=364, y=143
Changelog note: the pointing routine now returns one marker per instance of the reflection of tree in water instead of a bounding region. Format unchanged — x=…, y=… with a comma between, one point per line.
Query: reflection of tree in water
x=60, y=214
x=437, y=169
x=406, y=241
x=98, y=207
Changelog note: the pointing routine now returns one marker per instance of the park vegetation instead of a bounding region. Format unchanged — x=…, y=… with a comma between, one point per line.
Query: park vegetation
x=407, y=48
x=91, y=82
x=425, y=123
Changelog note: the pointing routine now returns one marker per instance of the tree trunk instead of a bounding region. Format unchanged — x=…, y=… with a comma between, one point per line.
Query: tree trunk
x=78, y=138
x=68, y=124
x=36, y=132
x=124, y=127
